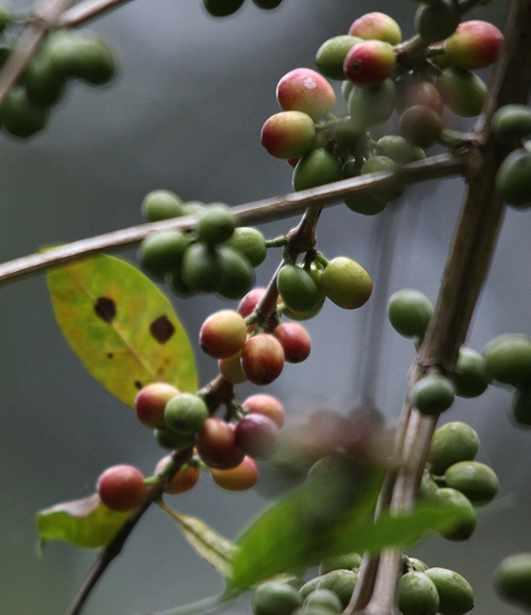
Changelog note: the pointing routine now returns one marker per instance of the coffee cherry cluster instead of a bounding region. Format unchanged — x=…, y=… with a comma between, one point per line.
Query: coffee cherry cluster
x=64, y=56
x=224, y=8
x=421, y=590
x=214, y=257
x=508, y=359
x=511, y=126
x=379, y=77
x=455, y=478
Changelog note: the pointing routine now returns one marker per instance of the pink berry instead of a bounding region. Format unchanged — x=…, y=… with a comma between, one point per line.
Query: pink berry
x=121, y=488
x=249, y=302
x=240, y=478
x=223, y=334
x=424, y=94
x=256, y=435
x=369, y=63
x=215, y=443
x=475, y=44
x=376, y=26
x=151, y=401
x=306, y=90
x=262, y=359
x=289, y=134
x=294, y=340
x=267, y=405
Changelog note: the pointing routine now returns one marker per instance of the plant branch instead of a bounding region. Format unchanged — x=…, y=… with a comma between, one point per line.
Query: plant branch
x=44, y=16
x=87, y=10
x=444, y=165
x=114, y=549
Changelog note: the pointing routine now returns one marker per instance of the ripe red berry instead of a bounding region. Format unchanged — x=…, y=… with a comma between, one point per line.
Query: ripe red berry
x=305, y=90
x=121, y=488
x=369, y=63
x=262, y=359
x=256, y=435
x=267, y=405
x=249, y=302
x=475, y=44
x=185, y=479
x=241, y=478
x=289, y=134
x=294, y=340
x=215, y=443
x=151, y=401
x=223, y=334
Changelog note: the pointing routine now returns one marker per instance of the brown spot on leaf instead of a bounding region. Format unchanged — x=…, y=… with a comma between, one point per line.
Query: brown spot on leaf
x=110, y=355
x=138, y=384
x=105, y=309
x=162, y=329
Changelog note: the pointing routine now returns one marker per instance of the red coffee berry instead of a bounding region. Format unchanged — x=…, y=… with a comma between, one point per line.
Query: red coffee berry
x=223, y=334
x=249, y=302
x=185, y=479
x=369, y=63
x=306, y=90
x=475, y=44
x=121, y=488
x=376, y=26
x=289, y=134
x=151, y=401
x=256, y=435
x=422, y=93
x=267, y=405
x=421, y=126
x=215, y=443
x=294, y=340
x=241, y=478
x=262, y=359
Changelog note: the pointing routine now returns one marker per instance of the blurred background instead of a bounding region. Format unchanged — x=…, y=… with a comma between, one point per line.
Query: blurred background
x=185, y=114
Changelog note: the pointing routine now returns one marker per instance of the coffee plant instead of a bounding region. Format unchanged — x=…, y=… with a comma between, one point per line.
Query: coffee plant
x=377, y=112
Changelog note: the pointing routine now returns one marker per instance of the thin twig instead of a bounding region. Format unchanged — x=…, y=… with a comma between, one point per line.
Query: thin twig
x=444, y=165
x=87, y=10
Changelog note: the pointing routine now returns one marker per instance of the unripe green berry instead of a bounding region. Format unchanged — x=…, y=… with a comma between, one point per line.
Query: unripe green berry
x=463, y=92
x=202, y=268
x=508, y=358
x=456, y=596
x=173, y=440
x=511, y=123
x=512, y=579
x=237, y=277
x=392, y=188
x=346, y=283
x=433, y=394
x=275, y=598
x=437, y=20
x=340, y=562
x=458, y=501
x=521, y=406
x=162, y=252
x=186, y=413
x=297, y=288
x=331, y=55
x=161, y=205
x=376, y=26
x=323, y=598
x=416, y=565
x=341, y=582
x=222, y=8
x=250, y=242
x=453, y=442
x=513, y=180
x=476, y=480
x=409, y=312
x=19, y=116
x=216, y=224
x=417, y=594
x=372, y=106
x=472, y=376
x=316, y=168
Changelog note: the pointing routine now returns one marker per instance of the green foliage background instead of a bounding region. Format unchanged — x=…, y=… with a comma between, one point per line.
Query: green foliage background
x=185, y=114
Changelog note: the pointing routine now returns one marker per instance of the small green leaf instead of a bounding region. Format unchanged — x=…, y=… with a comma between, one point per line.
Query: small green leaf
x=85, y=523
x=322, y=519
x=121, y=326
x=217, y=551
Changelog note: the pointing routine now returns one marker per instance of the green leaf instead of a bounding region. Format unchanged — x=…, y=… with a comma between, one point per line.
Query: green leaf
x=121, y=326
x=85, y=523
x=323, y=519
x=217, y=551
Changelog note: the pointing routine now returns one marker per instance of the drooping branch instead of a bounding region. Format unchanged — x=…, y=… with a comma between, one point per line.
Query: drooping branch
x=444, y=165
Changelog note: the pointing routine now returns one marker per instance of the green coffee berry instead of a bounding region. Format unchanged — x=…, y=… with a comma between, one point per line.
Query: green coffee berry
x=173, y=440
x=409, y=312
x=476, y=480
x=396, y=148
x=462, y=91
x=456, y=596
x=237, y=277
x=20, y=116
x=451, y=443
x=508, y=358
x=161, y=205
x=341, y=582
x=177, y=284
x=365, y=204
x=316, y=168
x=346, y=283
x=433, y=394
x=393, y=188
x=427, y=488
x=297, y=288
x=202, y=268
x=250, y=242
x=331, y=55
x=186, y=413
x=95, y=61
x=513, y=180
x=215, y=225
x=436, y=21
x=275, y=598
x=323, y=598
x=521, y=406
x=472, y=377
x=511, y=123
x=193, y=208
x=267, y=5
x=372, y=106
x=454, y=499
x=346, y=89
x=162, y=252
x=417, y=594
x=44, y=85
x=416, y=565
x=340, y=562
x=512, y=579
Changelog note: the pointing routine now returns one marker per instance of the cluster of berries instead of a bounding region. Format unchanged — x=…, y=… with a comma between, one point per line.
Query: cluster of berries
x=421, y=590
x=380, y=74
x=223, y=8
x=65, y=55
x=214, y=256
x=511, y=126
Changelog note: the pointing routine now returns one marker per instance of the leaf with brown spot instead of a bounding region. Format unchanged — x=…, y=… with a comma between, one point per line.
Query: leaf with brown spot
x=122, y=327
